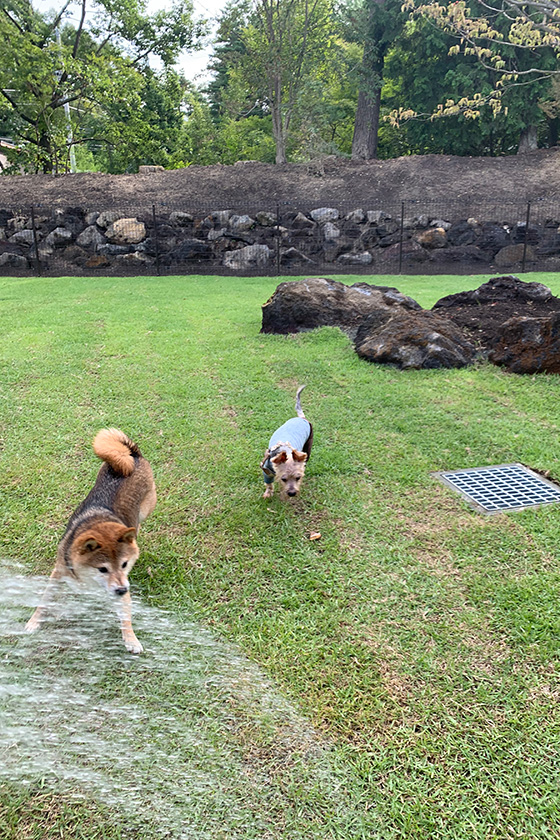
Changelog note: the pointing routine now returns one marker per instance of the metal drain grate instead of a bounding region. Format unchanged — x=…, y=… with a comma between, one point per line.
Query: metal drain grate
x=507, y=487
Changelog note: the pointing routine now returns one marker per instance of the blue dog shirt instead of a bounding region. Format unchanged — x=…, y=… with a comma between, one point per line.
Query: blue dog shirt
x=295, y=433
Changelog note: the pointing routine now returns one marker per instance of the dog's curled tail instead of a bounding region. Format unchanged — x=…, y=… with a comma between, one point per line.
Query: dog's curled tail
x=299, y=409
x=117, y=449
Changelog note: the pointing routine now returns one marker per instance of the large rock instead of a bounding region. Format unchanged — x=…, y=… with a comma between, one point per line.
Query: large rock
x=512, y=255
x=126, y=232
x=22, y=237
x=107, y=217
x=483, y=311
x=90, y=237
x=362, y=258
x=189, y=250
x=324, y=214
x=319, y=302
x=10, y=260
x=241, y=223
x=59, y=238
x=417, y=339
x=252, y=256
x=434, y=237
x=528, y=345
x=498, y=289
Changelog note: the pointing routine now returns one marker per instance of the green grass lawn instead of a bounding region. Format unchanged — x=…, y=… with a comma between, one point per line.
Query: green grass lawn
x=419, y=639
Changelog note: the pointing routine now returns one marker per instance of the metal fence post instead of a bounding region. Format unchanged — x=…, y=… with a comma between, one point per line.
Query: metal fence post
x=277, y=240
x=156, y=240
x=401, y=238
x=35, y=241
x=526, y=236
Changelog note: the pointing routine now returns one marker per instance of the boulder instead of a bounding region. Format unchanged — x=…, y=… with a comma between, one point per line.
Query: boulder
x=301, y=222
x=462, y=233
x=126, y=232
x=241, y=223
x=293, y=255
x=90, y=237
x=484, y=311
x=375, y=217
x=110, y=250
x=412, y=252
x=97, y=261
x=460, y=254
x=528, y=345
x=493, y=237
x=59, y=238
x=22, y=237
x=107, y=217
x=73, y=254
x=189, y=250
x=149, y=169
x=324, y=214
x=355, y=216
x=441, y=223
x=252, y=256
x=434, y=237
x=512, y=255
x=317, y=302
x=330, y=232
x=17, y=261
x=217, y=233
x=417, y=339
x=363, y=258
x=134, y=258
x=266, y=219
x=178, y=217
x=222, y=217
x=497, y=289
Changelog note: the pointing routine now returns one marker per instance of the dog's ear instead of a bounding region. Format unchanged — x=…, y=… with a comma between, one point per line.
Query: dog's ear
x=87, y=544
x=128, y=536
x=299, y=456
x=280, y=458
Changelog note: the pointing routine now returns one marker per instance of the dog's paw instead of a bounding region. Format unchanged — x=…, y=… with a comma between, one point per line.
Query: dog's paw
x=133, y=645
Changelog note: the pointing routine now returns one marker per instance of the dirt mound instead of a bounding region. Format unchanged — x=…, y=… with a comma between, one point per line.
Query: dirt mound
x=426, y=179
x=483, y=311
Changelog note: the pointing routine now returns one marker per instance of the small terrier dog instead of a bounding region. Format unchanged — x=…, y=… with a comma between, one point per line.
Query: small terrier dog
x=288, y=451
x=100, y=538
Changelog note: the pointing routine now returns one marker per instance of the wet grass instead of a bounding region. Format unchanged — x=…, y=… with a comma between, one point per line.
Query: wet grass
x=419, y=638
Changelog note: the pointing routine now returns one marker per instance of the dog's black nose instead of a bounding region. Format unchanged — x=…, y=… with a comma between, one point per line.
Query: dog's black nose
x=120, y=590
x=292, y=492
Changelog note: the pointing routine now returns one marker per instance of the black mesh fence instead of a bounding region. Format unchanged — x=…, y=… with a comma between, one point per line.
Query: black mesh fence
x=408, y=237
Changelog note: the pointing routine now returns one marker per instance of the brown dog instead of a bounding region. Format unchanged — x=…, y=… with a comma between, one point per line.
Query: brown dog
x=288, y=451
x=100, y=538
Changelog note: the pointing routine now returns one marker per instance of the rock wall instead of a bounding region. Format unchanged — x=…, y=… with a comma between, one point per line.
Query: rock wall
x=77, y=240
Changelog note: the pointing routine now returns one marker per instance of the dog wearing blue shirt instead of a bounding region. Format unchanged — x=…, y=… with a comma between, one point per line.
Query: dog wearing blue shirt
x=288, y=451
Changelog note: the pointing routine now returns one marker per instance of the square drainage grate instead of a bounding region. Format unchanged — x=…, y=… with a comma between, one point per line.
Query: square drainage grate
x=507, y=487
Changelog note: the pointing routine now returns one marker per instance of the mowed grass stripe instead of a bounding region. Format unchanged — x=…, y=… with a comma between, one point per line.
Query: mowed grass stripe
x=420, y=636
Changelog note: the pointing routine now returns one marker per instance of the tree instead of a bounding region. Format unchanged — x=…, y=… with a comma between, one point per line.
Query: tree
x=284, y=40
x=420, y=73
x=56, y=75
x=380, y=21
x=518, y=41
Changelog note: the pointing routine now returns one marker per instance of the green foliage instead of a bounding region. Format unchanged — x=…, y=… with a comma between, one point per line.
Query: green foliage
x=420, y=73
x=96, y=67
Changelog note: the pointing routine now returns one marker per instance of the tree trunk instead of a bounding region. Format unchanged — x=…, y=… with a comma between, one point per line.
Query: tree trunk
x=553, y=131
x=366, y=125
x=528, y=140
x=278, y=134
